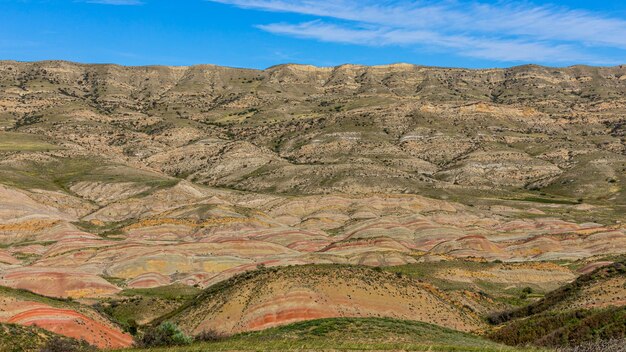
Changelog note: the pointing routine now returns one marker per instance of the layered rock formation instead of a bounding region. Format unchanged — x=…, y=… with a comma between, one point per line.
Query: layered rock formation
x=114, y=178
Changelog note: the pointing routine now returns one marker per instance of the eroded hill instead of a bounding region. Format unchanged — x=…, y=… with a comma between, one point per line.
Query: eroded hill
x=270, y=298
x=307, y=130
x=114, y=179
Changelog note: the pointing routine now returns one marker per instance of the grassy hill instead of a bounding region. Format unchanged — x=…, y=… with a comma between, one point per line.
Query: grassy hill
x=565, y=328
x=349, y=334
x=18, y=338
x=278, y=296
x=591, y=308
x=601, y=288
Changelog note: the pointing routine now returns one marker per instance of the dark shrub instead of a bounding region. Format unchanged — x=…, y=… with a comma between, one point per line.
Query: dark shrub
x=132, y=326
x=62, y=344
x=166, y=334
x=210, y=336
x=499, y=317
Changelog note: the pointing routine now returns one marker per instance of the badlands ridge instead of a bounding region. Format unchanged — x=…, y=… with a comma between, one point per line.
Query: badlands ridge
x=301, y=192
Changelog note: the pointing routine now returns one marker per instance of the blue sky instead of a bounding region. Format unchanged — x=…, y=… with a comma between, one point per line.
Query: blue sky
x=262, y=33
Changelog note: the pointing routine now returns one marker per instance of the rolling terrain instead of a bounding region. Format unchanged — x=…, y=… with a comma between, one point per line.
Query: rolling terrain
x=590, y=308
x=60, y=317
x=277, y=297
x=352, y=334
x=236, y=200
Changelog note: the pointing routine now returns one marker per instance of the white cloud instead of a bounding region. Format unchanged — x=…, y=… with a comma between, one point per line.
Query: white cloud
x=486, y=48
x=505, y=32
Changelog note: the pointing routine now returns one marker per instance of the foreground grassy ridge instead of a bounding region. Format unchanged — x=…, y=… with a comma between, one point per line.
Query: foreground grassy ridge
x=553, y=322
x=349, y=334
x=564, y=328
x=17, y=338
x=567, y=293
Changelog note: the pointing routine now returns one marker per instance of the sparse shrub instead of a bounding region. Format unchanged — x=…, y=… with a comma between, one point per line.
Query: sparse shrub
x=210, y=336
x=616, y=345
x=525, y=292
x=63, y=344
x=166, y=334
x=569, y=328
x=132, y=327
x=499, y=317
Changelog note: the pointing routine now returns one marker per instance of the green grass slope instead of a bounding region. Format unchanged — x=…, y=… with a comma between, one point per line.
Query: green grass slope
x=349, y=334
x=17, y=338
x=61, y=173
x=143, y=305
x=569, y=293
x=570, y=328
x=588, y=310
x=15, y=142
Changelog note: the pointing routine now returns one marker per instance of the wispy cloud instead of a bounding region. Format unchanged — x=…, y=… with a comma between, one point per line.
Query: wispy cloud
x=506, y=31
x=487, y=48
x=116, y=2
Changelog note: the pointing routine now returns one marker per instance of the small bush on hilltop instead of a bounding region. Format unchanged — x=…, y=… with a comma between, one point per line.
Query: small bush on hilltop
x=166, y=334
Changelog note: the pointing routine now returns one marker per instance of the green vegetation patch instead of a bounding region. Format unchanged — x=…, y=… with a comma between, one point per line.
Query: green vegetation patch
x=506, y=293
x=175, y=291
x=12, y=141
x=26, y=295
x=349, y=334
x=110, y=230
x=140, y=306
x=18, y=338
x=564, y=328
x=565, y=293
x=549, y=200
x=61, y=173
